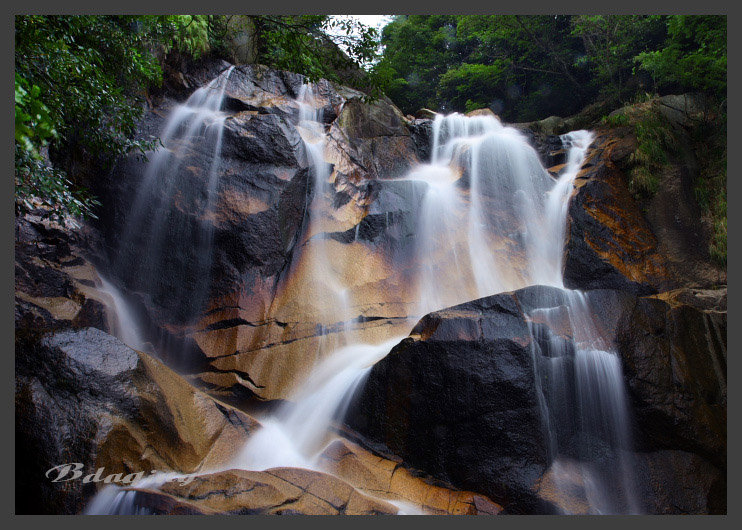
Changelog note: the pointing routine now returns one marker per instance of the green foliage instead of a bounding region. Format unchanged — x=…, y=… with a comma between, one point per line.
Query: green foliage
x=78, y=80
x=611, y=42
x=33, y=125
x=91, y=72
x=658, y=141
x=530, y=67
x=655, y=139
x=616, y=120
x=516, y=66
x=710, y=145
x=320, y=46
x=418, y=50
x=192, y=34
x=693, y=57
x=471, y=86
x=37, y=184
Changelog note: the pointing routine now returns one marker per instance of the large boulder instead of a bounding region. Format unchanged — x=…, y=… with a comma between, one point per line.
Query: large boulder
x=463, y=381
x=82, y=396
x=457, y=399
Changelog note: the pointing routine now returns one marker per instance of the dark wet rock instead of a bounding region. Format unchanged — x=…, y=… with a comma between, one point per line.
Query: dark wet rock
x=463, y=382
x=610, y=245
x=374, y=136
x=55, y=286
x=263, y=187
x=646, y=245
x=84, y=397
x=681, y=483
x=263, y=139
x=421, y=132
x=674, y=360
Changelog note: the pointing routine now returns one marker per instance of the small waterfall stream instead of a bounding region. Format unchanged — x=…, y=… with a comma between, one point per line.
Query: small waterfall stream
x=492, y=220
x=173, y=207
x=297, y=432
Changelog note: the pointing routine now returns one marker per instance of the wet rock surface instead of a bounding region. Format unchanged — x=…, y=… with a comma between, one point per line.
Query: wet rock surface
x=84, y=397
x=391, y=479
x=674, y=359
x=54, y=283
x=279, y=491
x=618, y=242
x=463, y=382
x=610, y=245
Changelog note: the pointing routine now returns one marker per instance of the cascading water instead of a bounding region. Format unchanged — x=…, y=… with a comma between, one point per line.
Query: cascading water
x=174, y=207
x=492, y=220
x=323, y=282
x=584, y=407
x=126, y=327
x=296, y=433
x=488, y=191
x=482, y=228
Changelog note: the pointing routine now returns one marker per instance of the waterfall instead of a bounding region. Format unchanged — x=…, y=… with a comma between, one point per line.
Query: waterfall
x=482, y=228
x=584, y=408
x=491, y=220
x=324, y=285
x=126, y=327
x=173, y=210
x=297, y=432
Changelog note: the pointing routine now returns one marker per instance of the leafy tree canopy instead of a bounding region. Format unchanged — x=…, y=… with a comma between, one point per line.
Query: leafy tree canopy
x=693, y=56
x=530, y=67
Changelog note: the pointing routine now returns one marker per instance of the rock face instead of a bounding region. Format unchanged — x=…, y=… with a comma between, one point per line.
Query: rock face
x=259, y=309
x=54, y=283
x=649, y=246
x=463, y=382
x=674, y=359
x=457, y=399
x=279, y=491
x=84, y=397
x=610, y=244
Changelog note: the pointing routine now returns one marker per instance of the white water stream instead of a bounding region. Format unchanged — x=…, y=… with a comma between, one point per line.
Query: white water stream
x=164, y=250
x=492, y=220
